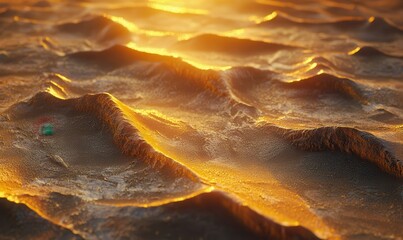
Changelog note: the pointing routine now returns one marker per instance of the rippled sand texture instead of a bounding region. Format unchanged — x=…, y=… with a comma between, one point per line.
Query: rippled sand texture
x=210, y=119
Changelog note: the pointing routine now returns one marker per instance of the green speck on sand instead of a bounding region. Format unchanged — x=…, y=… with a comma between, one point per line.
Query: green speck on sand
x=47, y=129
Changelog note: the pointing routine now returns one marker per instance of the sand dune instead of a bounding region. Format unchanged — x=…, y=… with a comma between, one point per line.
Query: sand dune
x=371, y=52
x=100, y=28
x=201, y=119
x=347, y=140
x=227, y=45
x=328, y=84
x=373, y=29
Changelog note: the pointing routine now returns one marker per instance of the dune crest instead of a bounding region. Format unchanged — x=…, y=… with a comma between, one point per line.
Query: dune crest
x=346, y=140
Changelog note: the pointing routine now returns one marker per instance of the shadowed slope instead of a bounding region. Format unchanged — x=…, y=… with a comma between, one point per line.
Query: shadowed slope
x=18, y=221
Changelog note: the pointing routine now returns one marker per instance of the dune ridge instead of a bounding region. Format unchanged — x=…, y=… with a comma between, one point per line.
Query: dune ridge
x=371, y=29
x=172, y=68
x=116, y=116
x=262, y=226
x=119, y=56
x=100, y=28
x=346, y=140
x=327, y=83
x=371, y=52
x=242, y=79
x=230, y=45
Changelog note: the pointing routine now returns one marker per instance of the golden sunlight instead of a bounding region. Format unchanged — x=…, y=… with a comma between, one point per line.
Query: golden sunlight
x=203, y=119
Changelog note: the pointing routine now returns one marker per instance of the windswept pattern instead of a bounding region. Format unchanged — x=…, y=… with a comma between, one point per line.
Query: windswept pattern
x=213, y=119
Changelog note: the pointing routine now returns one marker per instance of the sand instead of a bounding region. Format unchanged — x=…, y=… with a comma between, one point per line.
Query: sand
x=201, y=120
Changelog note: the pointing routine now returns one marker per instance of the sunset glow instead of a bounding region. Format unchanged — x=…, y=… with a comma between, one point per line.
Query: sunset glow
x=204, y=119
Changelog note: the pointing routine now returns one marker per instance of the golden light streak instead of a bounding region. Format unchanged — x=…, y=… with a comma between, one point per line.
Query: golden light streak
x=153, y=50
x=354, y=51
x=165, y=52
x=56, y=90
x=235, y=33
x=135, y=29
x=128, y=202
x=371, y=19
x=321, y=72
x=303, y=70
x=63, y=78
x=277, y=3
x=168, y=7
x=308, y=60
x=266, y=18
x=155, y=113
x=206, y=66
